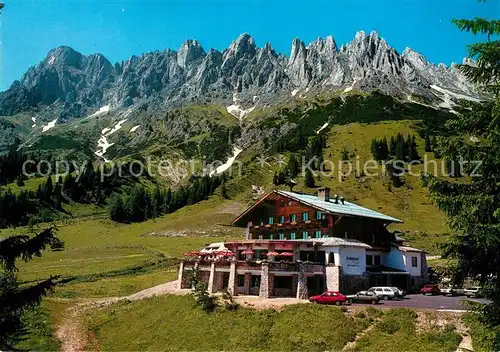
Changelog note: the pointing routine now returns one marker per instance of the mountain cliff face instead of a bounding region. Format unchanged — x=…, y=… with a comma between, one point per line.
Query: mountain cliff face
x=258, y=75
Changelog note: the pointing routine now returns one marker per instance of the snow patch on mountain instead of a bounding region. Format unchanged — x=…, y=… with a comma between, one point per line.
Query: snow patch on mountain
x=295, y=91
x=50, y=125
x=102, y=110
x=116, y=127
x=102, y=143
x=236, y=110
x=133, y=129
x=228, y=163
x=102, y=147
x=448, y=94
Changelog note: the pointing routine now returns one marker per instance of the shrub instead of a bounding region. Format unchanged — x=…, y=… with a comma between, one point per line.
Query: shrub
x=389, y=325
x=360, y=315
x=484, y=337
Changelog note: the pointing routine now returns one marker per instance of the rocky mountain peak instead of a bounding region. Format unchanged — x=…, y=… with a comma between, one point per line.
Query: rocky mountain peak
x=64, y=55
x=190, y=51
x=190, y=75
x=243, y=45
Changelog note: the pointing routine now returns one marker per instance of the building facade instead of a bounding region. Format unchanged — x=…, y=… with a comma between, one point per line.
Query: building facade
x=297, y=245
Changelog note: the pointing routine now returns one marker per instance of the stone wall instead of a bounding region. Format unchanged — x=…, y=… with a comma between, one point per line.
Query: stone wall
x=333, y=278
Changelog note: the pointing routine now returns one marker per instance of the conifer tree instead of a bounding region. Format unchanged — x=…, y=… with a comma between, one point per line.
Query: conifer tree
x=14, y=297
x=400, y=147
x=428, y=146
x=392, y=147
x=309, y=179
x=472, y=205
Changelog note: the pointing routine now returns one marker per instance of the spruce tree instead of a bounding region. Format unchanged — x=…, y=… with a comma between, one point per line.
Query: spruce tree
x=400, y=147
x=428, y=146
x=14, y=297
x=48, y=188
x=392, y=146
x=309, y=179
x=472, y=205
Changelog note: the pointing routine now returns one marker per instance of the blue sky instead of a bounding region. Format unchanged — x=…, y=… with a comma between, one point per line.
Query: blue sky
x=120, y=29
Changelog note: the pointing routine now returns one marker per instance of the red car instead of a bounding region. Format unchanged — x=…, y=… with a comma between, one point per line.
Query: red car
x=329, y=297
x=430, y=289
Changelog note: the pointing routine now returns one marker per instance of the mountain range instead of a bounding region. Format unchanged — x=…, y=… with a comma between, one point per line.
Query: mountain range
x=241, y=77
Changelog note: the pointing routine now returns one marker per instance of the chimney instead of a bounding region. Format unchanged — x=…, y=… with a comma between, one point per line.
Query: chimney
x=324, y=194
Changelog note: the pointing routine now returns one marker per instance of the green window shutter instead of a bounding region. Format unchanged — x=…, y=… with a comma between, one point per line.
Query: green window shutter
x=271, y=220
x=305, y=235
x=318, y=215
x=305, y=216
x=282, y=236
x=318, y=233
x=271, y=236
x=282, y=219
x=292, y=235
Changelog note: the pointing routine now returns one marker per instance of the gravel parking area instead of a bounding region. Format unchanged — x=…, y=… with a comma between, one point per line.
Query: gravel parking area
x=419, y=301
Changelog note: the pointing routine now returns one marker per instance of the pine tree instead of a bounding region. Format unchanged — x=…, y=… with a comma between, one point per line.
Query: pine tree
x=293, y=166
x=345, y=154
x=48, y=188
x=14, y=298
x=309, y=179
x=392, y=147
x=428, y=146
x=472, y=205
x=116, y=208
x=400, y=147
x=413, y=152
x=58, y=195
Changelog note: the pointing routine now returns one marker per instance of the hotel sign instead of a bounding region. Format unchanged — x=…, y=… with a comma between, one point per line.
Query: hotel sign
x=352, y=262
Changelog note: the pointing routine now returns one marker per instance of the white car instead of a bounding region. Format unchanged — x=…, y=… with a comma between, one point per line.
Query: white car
x=452, y=291
x=399, y=292
x=384, y=292
x=473, y=292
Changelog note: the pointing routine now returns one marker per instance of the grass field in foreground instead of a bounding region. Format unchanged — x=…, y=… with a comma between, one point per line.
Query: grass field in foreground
x=173, y=323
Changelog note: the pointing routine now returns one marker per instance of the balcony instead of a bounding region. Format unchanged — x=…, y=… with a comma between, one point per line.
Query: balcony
x=249, y=266
x=285, y=266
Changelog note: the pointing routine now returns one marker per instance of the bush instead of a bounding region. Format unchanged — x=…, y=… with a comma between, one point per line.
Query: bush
x=389, y=325
x=484, y=337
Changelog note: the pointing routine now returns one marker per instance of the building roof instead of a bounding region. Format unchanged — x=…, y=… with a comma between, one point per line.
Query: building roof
x=338, y=242
x=410, y=249
x=347, y=208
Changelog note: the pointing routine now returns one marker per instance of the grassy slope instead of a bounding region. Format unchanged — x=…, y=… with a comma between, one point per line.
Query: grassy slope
x=97, y=246
x=173, y=323
x=397, y=331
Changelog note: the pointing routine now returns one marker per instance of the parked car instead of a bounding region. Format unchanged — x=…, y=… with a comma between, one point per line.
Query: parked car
x=383, y=292
x=473, y=292
x=430, y=289
x=400, y=293
x=363, y=297
x=329, y=297
x=452, y=291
